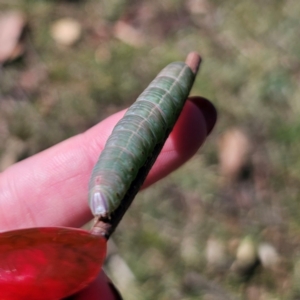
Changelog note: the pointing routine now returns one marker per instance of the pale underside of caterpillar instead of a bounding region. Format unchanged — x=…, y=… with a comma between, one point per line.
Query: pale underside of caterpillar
x=133, y=139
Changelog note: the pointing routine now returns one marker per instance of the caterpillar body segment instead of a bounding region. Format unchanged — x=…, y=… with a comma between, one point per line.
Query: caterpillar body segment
x=133, y=139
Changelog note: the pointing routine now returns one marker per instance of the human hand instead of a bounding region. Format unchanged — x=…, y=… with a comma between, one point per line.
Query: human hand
x=50, y=188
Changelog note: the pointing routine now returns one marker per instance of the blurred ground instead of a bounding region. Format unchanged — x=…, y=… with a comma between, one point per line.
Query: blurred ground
x=227, y=224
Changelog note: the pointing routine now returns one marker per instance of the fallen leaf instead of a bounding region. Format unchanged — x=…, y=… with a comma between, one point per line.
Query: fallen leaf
x=234, y=153
x=128, y=34
x=12, y=25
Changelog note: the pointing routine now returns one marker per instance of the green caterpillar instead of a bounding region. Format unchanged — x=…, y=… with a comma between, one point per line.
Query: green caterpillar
x=133, y=139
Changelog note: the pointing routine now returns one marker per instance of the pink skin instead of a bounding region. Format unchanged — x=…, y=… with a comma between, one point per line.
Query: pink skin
x=50, y=188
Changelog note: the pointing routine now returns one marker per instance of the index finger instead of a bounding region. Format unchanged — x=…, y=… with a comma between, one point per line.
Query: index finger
x=50, y=188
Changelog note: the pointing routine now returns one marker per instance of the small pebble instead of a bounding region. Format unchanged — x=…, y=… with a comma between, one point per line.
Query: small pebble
x=268, y=255
x=246, y=252
x=246, y=257
x=66, y=31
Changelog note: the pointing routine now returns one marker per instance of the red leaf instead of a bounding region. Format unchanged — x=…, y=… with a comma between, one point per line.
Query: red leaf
x=48, y=263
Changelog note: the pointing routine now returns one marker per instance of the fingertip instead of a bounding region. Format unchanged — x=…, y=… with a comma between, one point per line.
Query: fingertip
x=189, y=132
x=208, y=110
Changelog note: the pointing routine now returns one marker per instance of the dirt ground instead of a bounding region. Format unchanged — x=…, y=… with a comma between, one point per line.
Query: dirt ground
x=227, y=224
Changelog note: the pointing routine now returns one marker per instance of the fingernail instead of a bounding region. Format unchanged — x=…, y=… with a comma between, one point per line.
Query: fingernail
x=115, y=292
x=208, y=110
